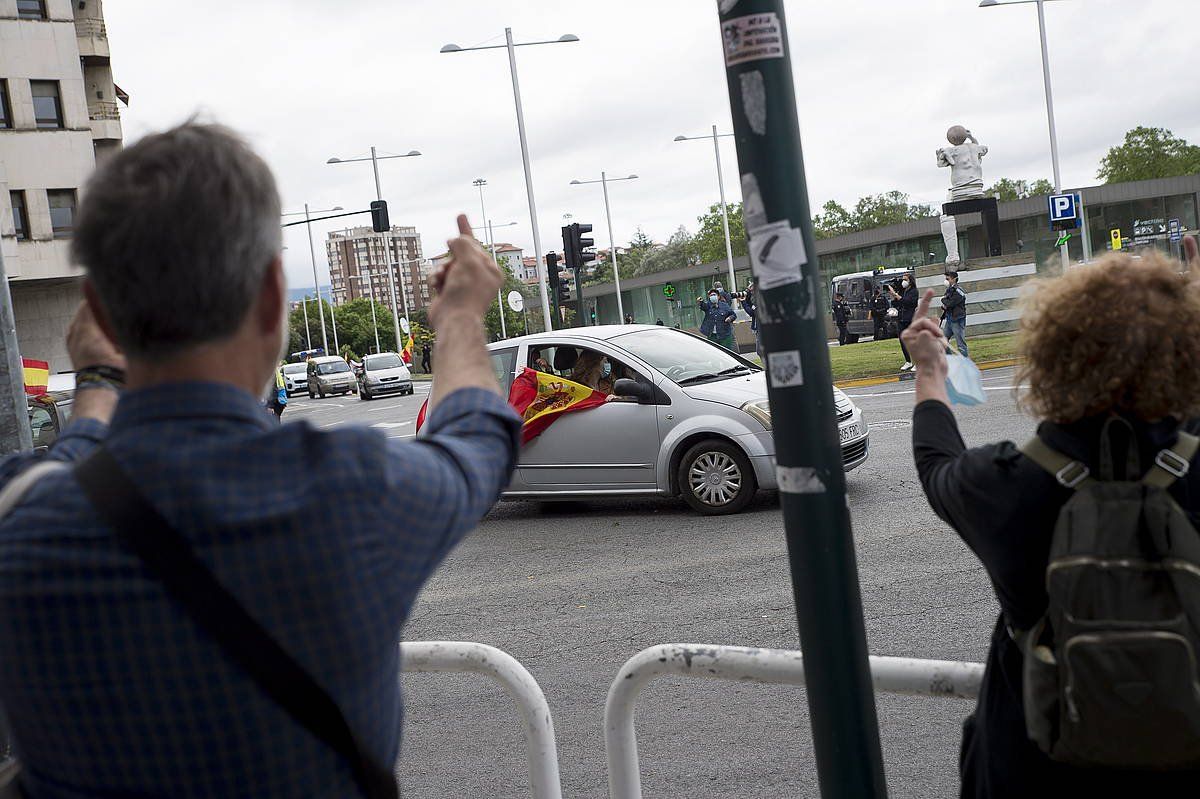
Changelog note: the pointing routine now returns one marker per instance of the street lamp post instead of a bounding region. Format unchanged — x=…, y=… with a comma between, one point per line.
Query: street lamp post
x=512, y=68
x=385, y=237
x=312, y=251
x=612, y=244
x=721, y=186
x=1041, y=13
x=480, y=183
x=371, y=299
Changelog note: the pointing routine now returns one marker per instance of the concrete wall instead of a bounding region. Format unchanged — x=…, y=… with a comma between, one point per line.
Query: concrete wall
x=43, y=310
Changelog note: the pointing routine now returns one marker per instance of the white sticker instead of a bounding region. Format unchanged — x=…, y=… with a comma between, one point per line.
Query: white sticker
x=754, y=100
x=752, y=38
x=777, y=254
x=799, y=480
x=784, y=369
x=725, y=6
x=754, y=213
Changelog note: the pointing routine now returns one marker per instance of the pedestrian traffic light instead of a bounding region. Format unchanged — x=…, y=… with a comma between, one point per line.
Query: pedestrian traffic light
x=593, y=316
x=575, y=245
x=379, y=216
x=553, y=275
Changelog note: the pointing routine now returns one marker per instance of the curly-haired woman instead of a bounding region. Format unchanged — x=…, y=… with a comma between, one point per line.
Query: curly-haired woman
x=1119, y=338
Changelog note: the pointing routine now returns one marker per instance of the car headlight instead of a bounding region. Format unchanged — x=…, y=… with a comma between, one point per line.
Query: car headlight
x=760, y=410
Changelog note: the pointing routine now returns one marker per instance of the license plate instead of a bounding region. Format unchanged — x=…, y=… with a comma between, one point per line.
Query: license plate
x=848, y=432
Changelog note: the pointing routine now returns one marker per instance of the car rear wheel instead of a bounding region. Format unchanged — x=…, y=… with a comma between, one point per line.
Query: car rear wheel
x=715, y=478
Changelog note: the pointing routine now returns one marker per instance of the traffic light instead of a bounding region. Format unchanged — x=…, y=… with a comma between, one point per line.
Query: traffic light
x=564, y=292
x=553, y=272
x=575, y=245
x=379, y=216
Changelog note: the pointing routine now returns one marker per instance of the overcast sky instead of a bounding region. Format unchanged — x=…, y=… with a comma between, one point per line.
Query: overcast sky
x=878, y=82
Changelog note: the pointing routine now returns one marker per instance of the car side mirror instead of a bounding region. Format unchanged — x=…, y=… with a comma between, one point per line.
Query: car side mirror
x=642, y=392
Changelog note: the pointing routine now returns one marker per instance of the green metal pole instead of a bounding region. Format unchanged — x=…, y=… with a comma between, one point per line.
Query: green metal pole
x=812, y=482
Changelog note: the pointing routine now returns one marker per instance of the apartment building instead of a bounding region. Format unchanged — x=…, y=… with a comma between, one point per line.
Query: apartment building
x=358, y=268
x=58, y=117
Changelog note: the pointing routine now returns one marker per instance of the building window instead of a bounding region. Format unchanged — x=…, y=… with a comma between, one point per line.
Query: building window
x=31, y=9
x=62, y=211
x=47, y=104
x=20, y=215
x=5, y=108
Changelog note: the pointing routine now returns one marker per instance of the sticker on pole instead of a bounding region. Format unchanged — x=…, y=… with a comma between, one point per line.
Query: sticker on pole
x=752, y=38
x=784, y=369
x=777, y=254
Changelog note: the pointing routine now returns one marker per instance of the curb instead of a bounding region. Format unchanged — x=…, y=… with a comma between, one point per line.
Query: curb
x=862, y=382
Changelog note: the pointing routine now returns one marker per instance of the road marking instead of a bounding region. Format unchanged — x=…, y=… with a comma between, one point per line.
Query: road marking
x=390, y=425
x=913, y=391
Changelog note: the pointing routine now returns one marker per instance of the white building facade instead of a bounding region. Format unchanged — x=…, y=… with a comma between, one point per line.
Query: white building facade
x=358, y=268
x=58, y=116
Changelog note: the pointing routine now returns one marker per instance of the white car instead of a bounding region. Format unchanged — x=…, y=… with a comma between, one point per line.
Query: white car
x=295, y=378
x=694, y=420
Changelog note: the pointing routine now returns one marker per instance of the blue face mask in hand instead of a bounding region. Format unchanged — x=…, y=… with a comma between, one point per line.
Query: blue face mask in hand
x=964, y=383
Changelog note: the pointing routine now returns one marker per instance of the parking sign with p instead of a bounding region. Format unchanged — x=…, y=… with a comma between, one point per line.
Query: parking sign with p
x=1064, y=211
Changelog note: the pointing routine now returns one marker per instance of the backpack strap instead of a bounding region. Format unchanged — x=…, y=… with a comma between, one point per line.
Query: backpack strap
x=19, y=486
x=1173, y=463
x=1069, y=472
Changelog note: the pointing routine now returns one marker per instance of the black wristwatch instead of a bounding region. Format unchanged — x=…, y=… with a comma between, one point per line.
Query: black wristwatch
x=109, y=377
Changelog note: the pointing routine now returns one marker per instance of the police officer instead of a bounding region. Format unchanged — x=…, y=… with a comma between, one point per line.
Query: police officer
x=879, y=309
x=841, y=317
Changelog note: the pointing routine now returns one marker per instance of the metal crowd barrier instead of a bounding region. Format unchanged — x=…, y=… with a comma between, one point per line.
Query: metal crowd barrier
x=945, y=678
x=465, y=656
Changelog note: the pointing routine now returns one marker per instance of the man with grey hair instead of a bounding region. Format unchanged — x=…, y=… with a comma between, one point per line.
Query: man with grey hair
x=117, y=673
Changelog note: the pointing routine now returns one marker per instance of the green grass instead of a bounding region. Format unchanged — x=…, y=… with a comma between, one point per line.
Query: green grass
x=877, y=358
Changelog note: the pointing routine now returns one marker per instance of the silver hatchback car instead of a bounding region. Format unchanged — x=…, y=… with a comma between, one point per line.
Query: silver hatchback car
x=692, y=420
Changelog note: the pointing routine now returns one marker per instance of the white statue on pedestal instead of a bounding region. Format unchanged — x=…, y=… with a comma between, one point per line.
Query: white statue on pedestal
x=965, y=159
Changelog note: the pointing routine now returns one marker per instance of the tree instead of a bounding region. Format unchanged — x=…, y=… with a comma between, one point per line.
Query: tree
x=1006, y=189
x=677, y=252
x=834, y=221
x=889, y=208
x=356, y=331
x=1149, y=153
x=514, y=321
x=709, y=242
x=872, y=211
x=297, y=339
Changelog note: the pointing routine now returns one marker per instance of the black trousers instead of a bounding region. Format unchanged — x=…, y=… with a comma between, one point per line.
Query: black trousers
x=904, y=323
x=843, y=334
x=880, y=328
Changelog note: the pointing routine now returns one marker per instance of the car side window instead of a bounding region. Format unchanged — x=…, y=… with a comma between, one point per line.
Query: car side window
x=503, y=364
x=41, y=424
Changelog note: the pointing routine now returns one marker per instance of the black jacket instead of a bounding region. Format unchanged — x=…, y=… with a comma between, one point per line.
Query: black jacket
x=954, y=303
x=1004, y=506
x=841, y=312
x=879, y=306
x=907, y=304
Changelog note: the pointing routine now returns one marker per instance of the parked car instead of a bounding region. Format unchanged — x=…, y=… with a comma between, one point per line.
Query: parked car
x=384, y=373
x=295, y=378
x=694, y=421
x=50, y=412
x=330, y=374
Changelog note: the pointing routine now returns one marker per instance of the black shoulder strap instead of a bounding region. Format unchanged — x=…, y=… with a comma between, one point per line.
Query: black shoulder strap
x=170, y=557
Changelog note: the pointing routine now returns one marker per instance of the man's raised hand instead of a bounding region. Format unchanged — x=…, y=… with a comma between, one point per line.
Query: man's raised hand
x=467, y=283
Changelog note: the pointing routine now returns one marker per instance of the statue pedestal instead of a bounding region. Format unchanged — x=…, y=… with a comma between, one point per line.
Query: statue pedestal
x=985, y=206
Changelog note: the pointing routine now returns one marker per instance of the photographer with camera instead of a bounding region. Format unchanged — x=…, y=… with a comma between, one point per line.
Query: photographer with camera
x=906, y=304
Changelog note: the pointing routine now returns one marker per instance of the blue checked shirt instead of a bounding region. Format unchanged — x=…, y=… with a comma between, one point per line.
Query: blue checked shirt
x=325, y=536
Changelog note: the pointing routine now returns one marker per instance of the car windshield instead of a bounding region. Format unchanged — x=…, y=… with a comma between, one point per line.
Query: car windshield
x=294, y=369
x=332, y=367
x=390, y=361
x=686, y=359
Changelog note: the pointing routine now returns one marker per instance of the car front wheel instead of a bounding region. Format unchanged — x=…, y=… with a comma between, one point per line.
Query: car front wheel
x=715, y=478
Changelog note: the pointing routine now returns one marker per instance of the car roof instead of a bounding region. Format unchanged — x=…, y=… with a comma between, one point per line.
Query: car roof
x=327, y=359
x=595, y=333
x=380, y=354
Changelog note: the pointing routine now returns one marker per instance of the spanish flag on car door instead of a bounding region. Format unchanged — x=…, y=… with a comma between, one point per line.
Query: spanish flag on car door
x=37, y=376
x=540, y=399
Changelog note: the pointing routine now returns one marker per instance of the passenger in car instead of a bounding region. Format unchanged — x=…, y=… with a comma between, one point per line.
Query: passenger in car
x=538, y=361
x=592, y=369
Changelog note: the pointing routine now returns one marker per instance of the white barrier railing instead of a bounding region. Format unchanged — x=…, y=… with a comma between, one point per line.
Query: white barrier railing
x=779, y=666
x=518, y=683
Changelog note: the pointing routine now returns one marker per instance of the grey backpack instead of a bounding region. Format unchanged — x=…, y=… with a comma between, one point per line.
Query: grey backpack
x=1110, y=671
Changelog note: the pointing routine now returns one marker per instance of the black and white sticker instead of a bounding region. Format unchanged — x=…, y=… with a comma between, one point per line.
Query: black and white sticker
x=752, y=38
x=777, y=254
x=784, y=369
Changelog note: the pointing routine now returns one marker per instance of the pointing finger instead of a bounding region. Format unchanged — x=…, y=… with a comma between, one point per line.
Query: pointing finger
x=464, y=226
x=923, y=305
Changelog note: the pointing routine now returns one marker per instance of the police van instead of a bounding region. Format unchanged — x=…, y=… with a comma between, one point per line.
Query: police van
x=858, y=288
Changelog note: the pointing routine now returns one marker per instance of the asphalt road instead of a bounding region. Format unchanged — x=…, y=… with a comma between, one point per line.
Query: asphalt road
x=572, y=591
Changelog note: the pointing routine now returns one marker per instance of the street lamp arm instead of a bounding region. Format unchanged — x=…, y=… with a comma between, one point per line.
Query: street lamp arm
x=454, y=48
x=725, y=135
x=410, y=154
